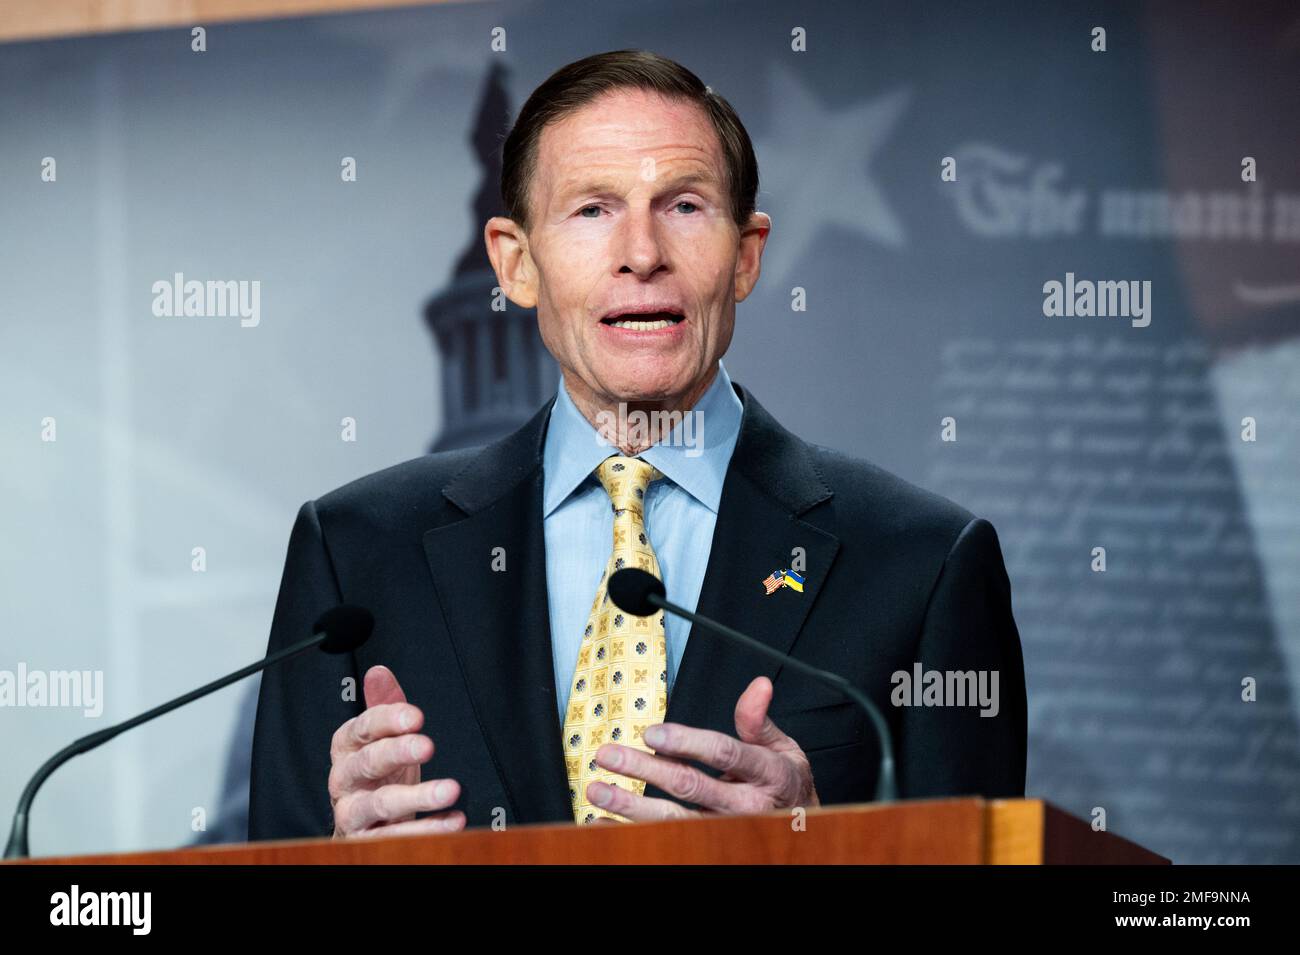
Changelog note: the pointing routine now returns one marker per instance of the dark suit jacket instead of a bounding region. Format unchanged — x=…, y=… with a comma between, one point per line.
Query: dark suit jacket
x=894, y=576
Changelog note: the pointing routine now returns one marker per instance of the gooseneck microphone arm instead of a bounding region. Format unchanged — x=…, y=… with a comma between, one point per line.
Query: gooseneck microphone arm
x=641, y=591
x=337, y=631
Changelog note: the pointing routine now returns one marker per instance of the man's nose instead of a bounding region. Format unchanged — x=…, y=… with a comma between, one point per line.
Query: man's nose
x=640, y=246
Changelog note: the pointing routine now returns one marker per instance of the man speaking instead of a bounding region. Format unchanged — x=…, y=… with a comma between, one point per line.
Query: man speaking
x=502, y=685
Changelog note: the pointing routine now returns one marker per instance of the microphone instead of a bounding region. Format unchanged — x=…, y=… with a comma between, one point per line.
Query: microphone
x=640, y=593
x=338, y=630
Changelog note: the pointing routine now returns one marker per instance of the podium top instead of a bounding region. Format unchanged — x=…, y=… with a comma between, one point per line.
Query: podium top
x=968, y=831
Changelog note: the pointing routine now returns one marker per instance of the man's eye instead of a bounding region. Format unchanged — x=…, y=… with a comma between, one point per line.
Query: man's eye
x=687, y=202
x=585, y=208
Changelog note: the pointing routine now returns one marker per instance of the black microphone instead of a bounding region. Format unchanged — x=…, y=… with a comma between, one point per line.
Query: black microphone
x=640, y=594
x=338, y=630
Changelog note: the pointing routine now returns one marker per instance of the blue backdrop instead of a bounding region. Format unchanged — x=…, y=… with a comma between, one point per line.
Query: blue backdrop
x=146, y=540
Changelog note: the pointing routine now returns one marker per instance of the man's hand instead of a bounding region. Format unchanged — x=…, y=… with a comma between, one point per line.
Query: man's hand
x=762, y=771
x=375, y=759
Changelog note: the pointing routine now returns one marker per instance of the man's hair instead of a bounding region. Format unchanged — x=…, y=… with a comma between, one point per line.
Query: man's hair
x=572, y=87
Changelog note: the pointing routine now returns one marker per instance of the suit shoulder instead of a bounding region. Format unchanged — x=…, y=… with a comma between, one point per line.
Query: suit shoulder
x=410, y=489
x=880, y=501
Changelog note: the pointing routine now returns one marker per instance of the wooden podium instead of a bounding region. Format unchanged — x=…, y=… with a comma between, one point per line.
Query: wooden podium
x=921, y=832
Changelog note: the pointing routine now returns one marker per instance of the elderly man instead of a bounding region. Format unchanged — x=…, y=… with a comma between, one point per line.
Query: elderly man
x=501, y=685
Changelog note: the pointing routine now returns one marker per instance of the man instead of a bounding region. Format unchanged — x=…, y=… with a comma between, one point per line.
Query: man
x=501, y=685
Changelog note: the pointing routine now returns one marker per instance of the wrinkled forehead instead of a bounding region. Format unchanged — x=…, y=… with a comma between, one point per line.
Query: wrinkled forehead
x=626, y=135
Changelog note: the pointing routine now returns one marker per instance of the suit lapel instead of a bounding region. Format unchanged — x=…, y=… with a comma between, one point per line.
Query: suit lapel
x=770, y=482
x=498, y=620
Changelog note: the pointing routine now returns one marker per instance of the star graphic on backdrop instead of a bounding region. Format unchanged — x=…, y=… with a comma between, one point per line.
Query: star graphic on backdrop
x=816, y=164
x=400, y=45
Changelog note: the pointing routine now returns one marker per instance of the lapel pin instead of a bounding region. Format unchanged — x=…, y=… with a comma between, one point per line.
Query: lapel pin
x=782, y=578
x=774, y=582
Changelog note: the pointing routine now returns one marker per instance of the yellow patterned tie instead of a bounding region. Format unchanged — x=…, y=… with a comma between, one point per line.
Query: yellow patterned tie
x=620, y=685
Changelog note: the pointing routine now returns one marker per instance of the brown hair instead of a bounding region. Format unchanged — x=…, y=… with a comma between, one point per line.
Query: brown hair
x=571, y=87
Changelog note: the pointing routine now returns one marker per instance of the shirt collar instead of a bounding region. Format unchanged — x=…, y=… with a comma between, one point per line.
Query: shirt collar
x=573, y=447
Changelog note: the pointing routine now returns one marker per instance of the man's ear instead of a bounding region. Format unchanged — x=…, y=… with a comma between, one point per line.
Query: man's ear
x=507, y=247
x=753, y=239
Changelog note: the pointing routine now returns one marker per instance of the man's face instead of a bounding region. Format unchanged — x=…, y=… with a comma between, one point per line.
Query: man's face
x=630, y=213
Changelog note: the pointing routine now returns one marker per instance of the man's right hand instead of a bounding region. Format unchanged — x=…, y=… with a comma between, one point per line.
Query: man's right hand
x=375, y=760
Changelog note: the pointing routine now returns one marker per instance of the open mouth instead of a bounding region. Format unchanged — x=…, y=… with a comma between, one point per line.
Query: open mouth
x=644, y=322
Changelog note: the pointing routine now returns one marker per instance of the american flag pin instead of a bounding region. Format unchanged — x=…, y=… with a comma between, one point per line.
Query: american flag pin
x=774, y=582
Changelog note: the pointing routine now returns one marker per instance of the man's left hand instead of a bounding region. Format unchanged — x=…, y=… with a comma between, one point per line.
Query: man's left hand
x=763, y=770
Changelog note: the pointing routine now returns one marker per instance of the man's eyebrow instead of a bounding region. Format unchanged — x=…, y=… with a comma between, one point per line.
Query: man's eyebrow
x=691, y=178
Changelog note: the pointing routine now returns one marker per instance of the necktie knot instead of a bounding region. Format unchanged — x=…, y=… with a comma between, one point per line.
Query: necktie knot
x=625, y=480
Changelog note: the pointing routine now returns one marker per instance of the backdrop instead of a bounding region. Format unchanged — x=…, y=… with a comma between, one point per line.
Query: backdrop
x=928, y=168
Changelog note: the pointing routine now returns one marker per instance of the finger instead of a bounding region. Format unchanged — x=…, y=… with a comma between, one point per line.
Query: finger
x=397, y=802
x=634, y=807
x=379, y=760
x=381, y=686
x=752, y=722
x=752, y=762
x=378, y=722
x=682, y=780
x=448, y=822
x=393, y=804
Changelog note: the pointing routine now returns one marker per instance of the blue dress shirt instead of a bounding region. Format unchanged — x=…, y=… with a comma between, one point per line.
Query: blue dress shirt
x=680, y=512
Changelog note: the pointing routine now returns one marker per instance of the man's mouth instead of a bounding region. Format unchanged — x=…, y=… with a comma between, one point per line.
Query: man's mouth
x=643, y=321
